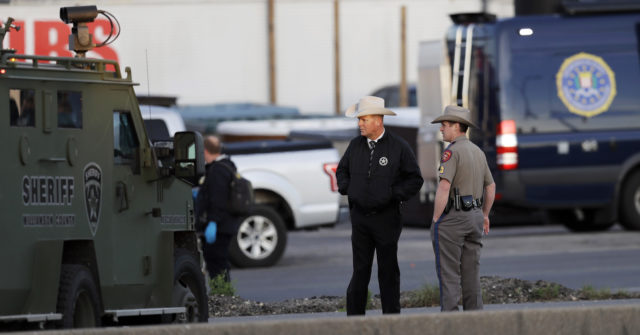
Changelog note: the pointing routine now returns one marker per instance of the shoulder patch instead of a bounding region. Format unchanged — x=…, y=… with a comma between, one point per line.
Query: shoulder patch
x=446, y=155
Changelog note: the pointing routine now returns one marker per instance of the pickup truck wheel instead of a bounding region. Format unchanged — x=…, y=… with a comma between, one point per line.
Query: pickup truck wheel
x=78, y=298
x=189, y=288
x=630, y=203
x=260, y=240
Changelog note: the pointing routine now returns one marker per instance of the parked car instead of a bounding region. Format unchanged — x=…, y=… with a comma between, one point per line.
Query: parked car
x=161, y=122
x=391, y=95
x=205, y=118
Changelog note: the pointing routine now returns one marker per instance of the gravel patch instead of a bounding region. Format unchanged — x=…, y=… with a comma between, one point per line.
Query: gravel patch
x=495, y=290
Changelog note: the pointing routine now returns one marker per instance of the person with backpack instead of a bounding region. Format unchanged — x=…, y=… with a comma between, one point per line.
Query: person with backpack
x=212, y=203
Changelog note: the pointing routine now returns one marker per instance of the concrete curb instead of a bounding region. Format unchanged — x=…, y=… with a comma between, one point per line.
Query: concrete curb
x=592, y=320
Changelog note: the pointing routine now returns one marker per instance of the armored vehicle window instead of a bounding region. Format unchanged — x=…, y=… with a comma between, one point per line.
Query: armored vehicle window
x=69, y=109
x=125, y=141
x=22, y=107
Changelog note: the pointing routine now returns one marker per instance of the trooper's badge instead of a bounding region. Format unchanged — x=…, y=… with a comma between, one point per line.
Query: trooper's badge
x=93, y=194
x=383, y=161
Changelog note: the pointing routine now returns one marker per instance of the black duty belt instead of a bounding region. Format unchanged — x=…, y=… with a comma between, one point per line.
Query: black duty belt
x=463, y=203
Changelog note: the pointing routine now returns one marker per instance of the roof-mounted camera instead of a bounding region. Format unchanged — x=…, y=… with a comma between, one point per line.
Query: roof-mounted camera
x=80, y=39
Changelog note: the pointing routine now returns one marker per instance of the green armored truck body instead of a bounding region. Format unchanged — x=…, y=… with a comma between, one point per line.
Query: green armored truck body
x=96, y=222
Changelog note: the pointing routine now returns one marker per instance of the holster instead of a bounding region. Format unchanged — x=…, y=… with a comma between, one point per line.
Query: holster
x=467, y=202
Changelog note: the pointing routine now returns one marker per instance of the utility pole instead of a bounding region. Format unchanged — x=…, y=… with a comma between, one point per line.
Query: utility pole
x=404, y=98
x=272, y=52
x=336, y=55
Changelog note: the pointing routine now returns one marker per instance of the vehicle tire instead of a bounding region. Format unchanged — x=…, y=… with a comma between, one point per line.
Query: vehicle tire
x=630, y=203
x=261, y=239
x=189, y=288
x=78, y=298
x=576, y=224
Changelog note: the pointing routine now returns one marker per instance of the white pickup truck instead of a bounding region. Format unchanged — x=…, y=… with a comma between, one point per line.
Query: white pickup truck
x=295, y=187
x=294, y=183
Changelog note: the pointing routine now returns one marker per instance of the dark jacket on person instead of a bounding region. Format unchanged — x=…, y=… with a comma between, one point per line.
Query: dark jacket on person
x=213, y=197
x=395, y=175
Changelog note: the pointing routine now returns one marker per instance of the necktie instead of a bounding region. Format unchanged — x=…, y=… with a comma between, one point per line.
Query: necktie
x=372, y=146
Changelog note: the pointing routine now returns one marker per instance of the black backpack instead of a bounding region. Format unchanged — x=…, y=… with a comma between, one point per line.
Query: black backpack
x=240, y=193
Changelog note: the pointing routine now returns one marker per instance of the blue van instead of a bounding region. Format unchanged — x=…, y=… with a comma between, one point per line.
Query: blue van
x=557, y=98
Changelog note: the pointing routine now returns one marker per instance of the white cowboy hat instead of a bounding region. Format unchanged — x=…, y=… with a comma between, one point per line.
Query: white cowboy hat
x=455, y=114
x=368, y=106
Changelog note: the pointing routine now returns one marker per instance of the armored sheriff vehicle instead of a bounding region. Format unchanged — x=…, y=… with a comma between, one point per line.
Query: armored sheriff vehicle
x=96, y=221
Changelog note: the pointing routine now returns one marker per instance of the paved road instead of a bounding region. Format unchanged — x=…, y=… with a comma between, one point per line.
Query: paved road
x=319, y=262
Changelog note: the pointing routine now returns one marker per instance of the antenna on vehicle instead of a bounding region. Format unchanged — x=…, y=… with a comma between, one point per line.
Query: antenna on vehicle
x=80, y=39
x=146, y=58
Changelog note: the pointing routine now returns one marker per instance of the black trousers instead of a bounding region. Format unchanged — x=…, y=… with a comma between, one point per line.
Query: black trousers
x=216, y=256
x=377, y=232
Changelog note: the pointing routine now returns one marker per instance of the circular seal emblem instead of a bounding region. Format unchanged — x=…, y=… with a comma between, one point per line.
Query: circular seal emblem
x=93, y=194
x=383, y=161
x=586, y=84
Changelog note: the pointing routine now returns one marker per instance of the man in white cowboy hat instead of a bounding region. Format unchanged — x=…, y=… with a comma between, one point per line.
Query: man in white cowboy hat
x=377, y=172
x=463, y=200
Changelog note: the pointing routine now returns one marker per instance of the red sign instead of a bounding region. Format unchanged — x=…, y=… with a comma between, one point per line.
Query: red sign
x=52, y=38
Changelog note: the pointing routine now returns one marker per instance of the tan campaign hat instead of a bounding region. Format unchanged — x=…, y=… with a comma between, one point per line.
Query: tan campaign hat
x=368, y=106
x=454, y=113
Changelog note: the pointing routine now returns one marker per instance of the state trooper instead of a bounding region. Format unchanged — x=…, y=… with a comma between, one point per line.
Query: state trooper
x=464, y=197
x=377, y=172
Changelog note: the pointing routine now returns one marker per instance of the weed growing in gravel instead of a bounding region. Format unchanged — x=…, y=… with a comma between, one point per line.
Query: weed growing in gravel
x=427, y=295
x=590, y=293
x=547, y=292
x=369, y=306
x=219, y=286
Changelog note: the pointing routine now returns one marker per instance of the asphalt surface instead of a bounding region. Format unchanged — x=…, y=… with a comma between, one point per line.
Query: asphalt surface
x=318, y=262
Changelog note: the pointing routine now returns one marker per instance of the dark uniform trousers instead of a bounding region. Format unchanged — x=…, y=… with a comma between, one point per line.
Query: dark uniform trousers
x=216, y=256
x=457, y=239
x=377, y=232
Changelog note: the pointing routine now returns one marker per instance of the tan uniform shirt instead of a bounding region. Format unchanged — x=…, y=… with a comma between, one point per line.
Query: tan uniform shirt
x=464, y=165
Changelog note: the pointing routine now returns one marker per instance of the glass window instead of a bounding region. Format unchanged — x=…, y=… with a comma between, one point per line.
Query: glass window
x=69, y=109
x=125, y=141
x=22, y=107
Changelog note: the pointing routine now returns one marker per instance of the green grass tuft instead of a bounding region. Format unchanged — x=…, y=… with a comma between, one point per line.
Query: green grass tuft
x=427, y=295
x=219, y=286
x=548, y=292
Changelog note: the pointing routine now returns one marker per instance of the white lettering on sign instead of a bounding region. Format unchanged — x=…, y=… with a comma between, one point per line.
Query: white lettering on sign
x=173, y=219
x=48, y=190
x=49, y=220
x=50, y=38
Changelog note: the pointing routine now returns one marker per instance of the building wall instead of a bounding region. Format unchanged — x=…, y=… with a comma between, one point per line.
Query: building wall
x=217, y=51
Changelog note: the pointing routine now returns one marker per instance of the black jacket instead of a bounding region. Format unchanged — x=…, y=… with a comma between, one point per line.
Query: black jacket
x=395, y=175
x=213, y=197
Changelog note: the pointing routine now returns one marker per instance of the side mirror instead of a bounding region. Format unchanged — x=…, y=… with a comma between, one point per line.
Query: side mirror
x=188, y=151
